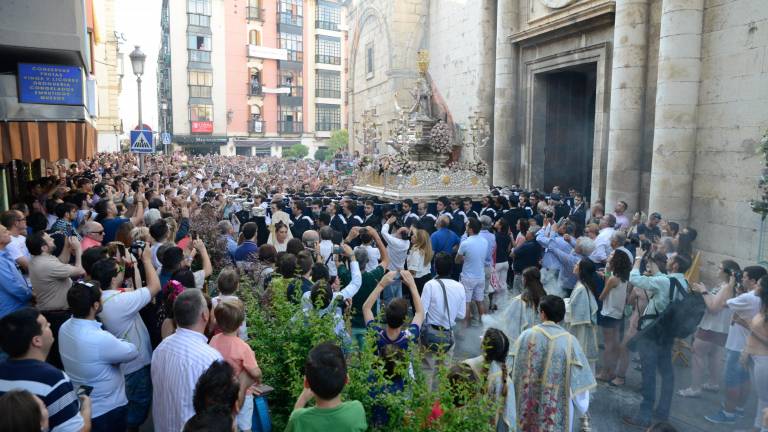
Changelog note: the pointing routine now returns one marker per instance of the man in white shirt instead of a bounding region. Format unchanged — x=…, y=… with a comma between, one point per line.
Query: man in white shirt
x=397, y=249
x=439, y=316
x=473, y=253
x=744, y=306
x=326, y=249
x=92, y=357
x=16, y=224
x=120, y=316
x=622, y=221
x=178, y=362
x=603, y=240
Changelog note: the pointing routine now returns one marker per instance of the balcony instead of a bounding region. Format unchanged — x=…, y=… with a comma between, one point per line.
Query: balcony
x=326, y=59
x=262, y=52
x=255, y=126
x=327, y=127
x=254, y=14
x=327, y=93
x=327, y=25
x=255, y=89
x=289, y=18
x=290, y=127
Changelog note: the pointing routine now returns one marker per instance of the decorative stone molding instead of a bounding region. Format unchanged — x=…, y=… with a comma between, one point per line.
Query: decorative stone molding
x=557, y=4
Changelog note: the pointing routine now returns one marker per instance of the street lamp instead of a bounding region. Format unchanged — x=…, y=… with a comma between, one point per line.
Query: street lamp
x=137, y=63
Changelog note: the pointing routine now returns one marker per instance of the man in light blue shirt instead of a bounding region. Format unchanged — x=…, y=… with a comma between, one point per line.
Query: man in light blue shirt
x=14, y=291
x=92, y=357
x=656, y=355
x=473, y=252
x=555, y=278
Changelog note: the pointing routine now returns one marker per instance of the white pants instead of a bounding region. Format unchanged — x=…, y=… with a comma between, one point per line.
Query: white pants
x=502, y=268
x=245, y=416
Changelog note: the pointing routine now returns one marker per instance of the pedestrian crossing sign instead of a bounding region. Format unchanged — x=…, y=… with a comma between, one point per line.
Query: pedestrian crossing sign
x=141, y=141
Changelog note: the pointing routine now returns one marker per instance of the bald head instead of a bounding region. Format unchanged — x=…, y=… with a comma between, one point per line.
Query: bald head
x=310, y=236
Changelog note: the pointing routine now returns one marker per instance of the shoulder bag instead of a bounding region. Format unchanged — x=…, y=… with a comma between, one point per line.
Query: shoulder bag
x=435, y=338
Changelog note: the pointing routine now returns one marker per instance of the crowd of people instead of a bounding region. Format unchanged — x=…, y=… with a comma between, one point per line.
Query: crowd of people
x=119, y=298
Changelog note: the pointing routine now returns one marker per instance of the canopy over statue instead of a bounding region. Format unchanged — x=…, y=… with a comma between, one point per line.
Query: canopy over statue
x=421, y=163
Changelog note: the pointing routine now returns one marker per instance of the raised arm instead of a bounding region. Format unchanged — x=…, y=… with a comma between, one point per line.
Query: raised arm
x=384, y=261
x=371, y=300
x=418, y=313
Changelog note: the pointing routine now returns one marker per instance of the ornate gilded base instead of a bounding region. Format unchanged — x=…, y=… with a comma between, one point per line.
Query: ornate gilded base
x=422, y=184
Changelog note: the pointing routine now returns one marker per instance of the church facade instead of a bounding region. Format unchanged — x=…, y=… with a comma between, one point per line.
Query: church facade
x=659, y=103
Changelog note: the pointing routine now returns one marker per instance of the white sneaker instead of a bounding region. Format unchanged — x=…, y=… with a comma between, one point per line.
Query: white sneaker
x=689, y=393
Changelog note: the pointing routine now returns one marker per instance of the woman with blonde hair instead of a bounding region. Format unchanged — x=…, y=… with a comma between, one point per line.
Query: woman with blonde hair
x=420, y=257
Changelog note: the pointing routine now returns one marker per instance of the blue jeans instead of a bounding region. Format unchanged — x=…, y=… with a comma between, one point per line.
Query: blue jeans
x=111, y=421
x=138, y=390
x=656, y=357
x=391, y=292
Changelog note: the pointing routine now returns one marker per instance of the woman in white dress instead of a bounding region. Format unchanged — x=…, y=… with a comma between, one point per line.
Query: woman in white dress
x=278, y=215
x=281, y=237
x=522, y=311
x=581, y=316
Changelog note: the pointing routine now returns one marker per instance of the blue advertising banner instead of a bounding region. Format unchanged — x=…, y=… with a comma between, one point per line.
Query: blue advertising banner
x=50, y=84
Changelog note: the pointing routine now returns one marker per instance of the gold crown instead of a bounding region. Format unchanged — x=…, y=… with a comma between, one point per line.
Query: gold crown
x=423, y=60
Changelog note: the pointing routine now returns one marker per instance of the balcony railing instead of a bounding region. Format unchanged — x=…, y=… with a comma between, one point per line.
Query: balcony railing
x=326, y=127
x=326, y=93
x=254, y=13
x=254, y=90
x=289, y=18
x=255, y=126
x=327, y=25
x=290, y=127
x=326, y=59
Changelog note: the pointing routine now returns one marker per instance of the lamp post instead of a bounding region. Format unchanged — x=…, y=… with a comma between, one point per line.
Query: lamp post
x=137, y=63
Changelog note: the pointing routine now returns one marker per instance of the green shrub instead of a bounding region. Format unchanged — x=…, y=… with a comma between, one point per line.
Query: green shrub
x=282, y=336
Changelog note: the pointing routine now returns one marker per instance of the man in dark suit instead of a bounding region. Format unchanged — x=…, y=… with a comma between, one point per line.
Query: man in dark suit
x=578, y=213
x=426, y=220
x=514, y=214
x=301, y=222
x=408, y=217
x=369, y=218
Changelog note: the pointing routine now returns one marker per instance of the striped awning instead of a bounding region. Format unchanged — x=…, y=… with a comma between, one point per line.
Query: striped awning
x=51, y=141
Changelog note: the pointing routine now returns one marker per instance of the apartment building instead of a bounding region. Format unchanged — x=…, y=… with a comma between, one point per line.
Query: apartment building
x=252, y=77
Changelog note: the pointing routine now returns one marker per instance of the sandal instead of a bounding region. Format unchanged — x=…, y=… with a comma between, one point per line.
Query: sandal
x=604, y=377
x=618, y=381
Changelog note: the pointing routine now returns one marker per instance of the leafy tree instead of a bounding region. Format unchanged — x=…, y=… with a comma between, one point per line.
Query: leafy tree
x=339, y=140
x=322, y=154
x=298, y=151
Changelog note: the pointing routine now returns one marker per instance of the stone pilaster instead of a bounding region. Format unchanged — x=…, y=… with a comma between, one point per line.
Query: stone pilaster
x=677, y=97
x=486, y=87
x=628, y=79
x=506, y=149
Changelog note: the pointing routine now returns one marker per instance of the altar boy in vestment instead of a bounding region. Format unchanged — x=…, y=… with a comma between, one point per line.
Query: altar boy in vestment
x=551, y=374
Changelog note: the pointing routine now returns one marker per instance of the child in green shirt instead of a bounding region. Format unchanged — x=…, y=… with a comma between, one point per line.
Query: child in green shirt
x=325, y=375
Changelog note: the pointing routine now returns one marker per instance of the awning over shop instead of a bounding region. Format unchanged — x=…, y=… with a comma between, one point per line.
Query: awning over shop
x=54, y=140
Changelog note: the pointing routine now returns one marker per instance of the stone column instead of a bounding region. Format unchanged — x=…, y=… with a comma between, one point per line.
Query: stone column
x=628, y=82
x=486, y=87
x=677, y=97
x=506, y=149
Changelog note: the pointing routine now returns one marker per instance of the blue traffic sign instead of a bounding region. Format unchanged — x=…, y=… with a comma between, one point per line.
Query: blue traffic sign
x=166, y=138
x=141, y=141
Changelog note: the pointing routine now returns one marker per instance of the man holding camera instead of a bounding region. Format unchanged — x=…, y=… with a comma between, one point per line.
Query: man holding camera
x=656, y=350
x=120, y=316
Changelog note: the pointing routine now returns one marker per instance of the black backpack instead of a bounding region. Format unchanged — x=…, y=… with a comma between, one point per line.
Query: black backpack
x=679, y=320
x=681, y=317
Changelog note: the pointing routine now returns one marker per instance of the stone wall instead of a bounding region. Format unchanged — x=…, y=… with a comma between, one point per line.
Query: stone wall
x=732, y=116
x=455, y=42
x=396, y=30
